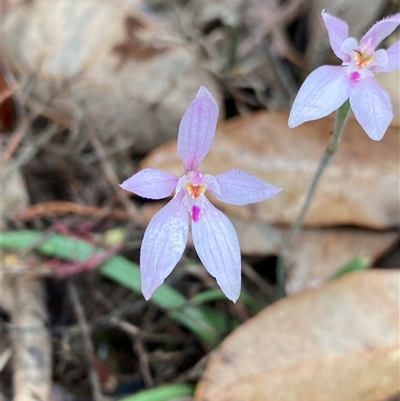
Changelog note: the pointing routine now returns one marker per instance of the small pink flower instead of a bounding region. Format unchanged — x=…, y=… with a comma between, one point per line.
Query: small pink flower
x=328, y=87
x=213, y=234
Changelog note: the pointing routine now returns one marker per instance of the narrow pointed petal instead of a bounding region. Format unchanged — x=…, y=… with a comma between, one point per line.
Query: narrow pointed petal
x=197, y=129
x=393, y=54
x=381, y=30
x=218, y=248
x=163, y=244
x=239, y=187
x=372, y=107
x=323, y=92
x=338, y=32
x=151, y=183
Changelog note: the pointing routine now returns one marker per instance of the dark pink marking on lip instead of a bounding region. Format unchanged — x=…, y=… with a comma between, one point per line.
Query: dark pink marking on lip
x=195, y=213
x=355, y=76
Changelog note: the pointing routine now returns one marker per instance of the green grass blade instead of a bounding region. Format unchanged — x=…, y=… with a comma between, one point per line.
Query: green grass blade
x=122, y=271
x=162, y=393
x=355, y=264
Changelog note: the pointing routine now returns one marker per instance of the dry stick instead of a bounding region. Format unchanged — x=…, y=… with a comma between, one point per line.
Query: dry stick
x=326, y=158
x=16, y=138
x=258, y=280
x=141, y=353
x=30, y=149
x=31, y=339
x=143, y=361
x=87, y=343
x=112, y=177
x=62, y=208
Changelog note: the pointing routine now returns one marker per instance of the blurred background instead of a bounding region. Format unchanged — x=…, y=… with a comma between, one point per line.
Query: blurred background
x=92, y=91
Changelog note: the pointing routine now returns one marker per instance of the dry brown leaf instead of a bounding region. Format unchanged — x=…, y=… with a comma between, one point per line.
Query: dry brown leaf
x=361, y=187
x=339, y=342
x=318, y=253
x=98, y=62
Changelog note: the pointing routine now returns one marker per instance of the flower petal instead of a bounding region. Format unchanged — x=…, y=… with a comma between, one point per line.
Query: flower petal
x=338, y=32
x=218, y=248
x=323, y=92
x=371, y=107
x=163, y=244
x=239, y=187
x=197, y=129
x=393, y=54
x=381, y=30
x=151, y=183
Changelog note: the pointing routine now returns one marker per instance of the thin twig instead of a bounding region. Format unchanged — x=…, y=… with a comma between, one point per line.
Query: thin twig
x=143, y=361
x=326, y=158
x=14, y=141
x=30, y=149
x=87, y=343
x=112, y=177
x=62, y=208
x=135, y=333
x=19, y=133
x=258, y=280
x=194, y=373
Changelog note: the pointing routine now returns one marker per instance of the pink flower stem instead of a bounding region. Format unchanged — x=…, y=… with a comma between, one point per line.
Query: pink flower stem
x=326, y=158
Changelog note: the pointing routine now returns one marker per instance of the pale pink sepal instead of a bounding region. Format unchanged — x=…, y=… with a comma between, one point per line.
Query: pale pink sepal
x=163, y=244
x=239, y=187
x=197, y=129
x=218, y=248
x=323, y=92
x=372, y=107
x=381, y=30
x=338, y=32
x=151, y=183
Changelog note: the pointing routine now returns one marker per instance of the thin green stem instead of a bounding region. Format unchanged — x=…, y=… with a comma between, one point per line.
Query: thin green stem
x=326, y=158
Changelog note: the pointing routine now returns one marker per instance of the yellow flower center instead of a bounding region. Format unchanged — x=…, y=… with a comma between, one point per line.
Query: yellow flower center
x=362, y=59
x=195, y=190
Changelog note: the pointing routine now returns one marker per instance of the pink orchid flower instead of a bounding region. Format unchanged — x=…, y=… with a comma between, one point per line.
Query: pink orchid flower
x=328, y=87
x=213, y=234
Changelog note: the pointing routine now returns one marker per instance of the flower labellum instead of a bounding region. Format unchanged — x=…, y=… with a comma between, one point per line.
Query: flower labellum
x=328, y=87
x=213, y=234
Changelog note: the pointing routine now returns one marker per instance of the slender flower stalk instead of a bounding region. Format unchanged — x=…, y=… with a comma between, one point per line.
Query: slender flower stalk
x=326, y=158
x=213, y=234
